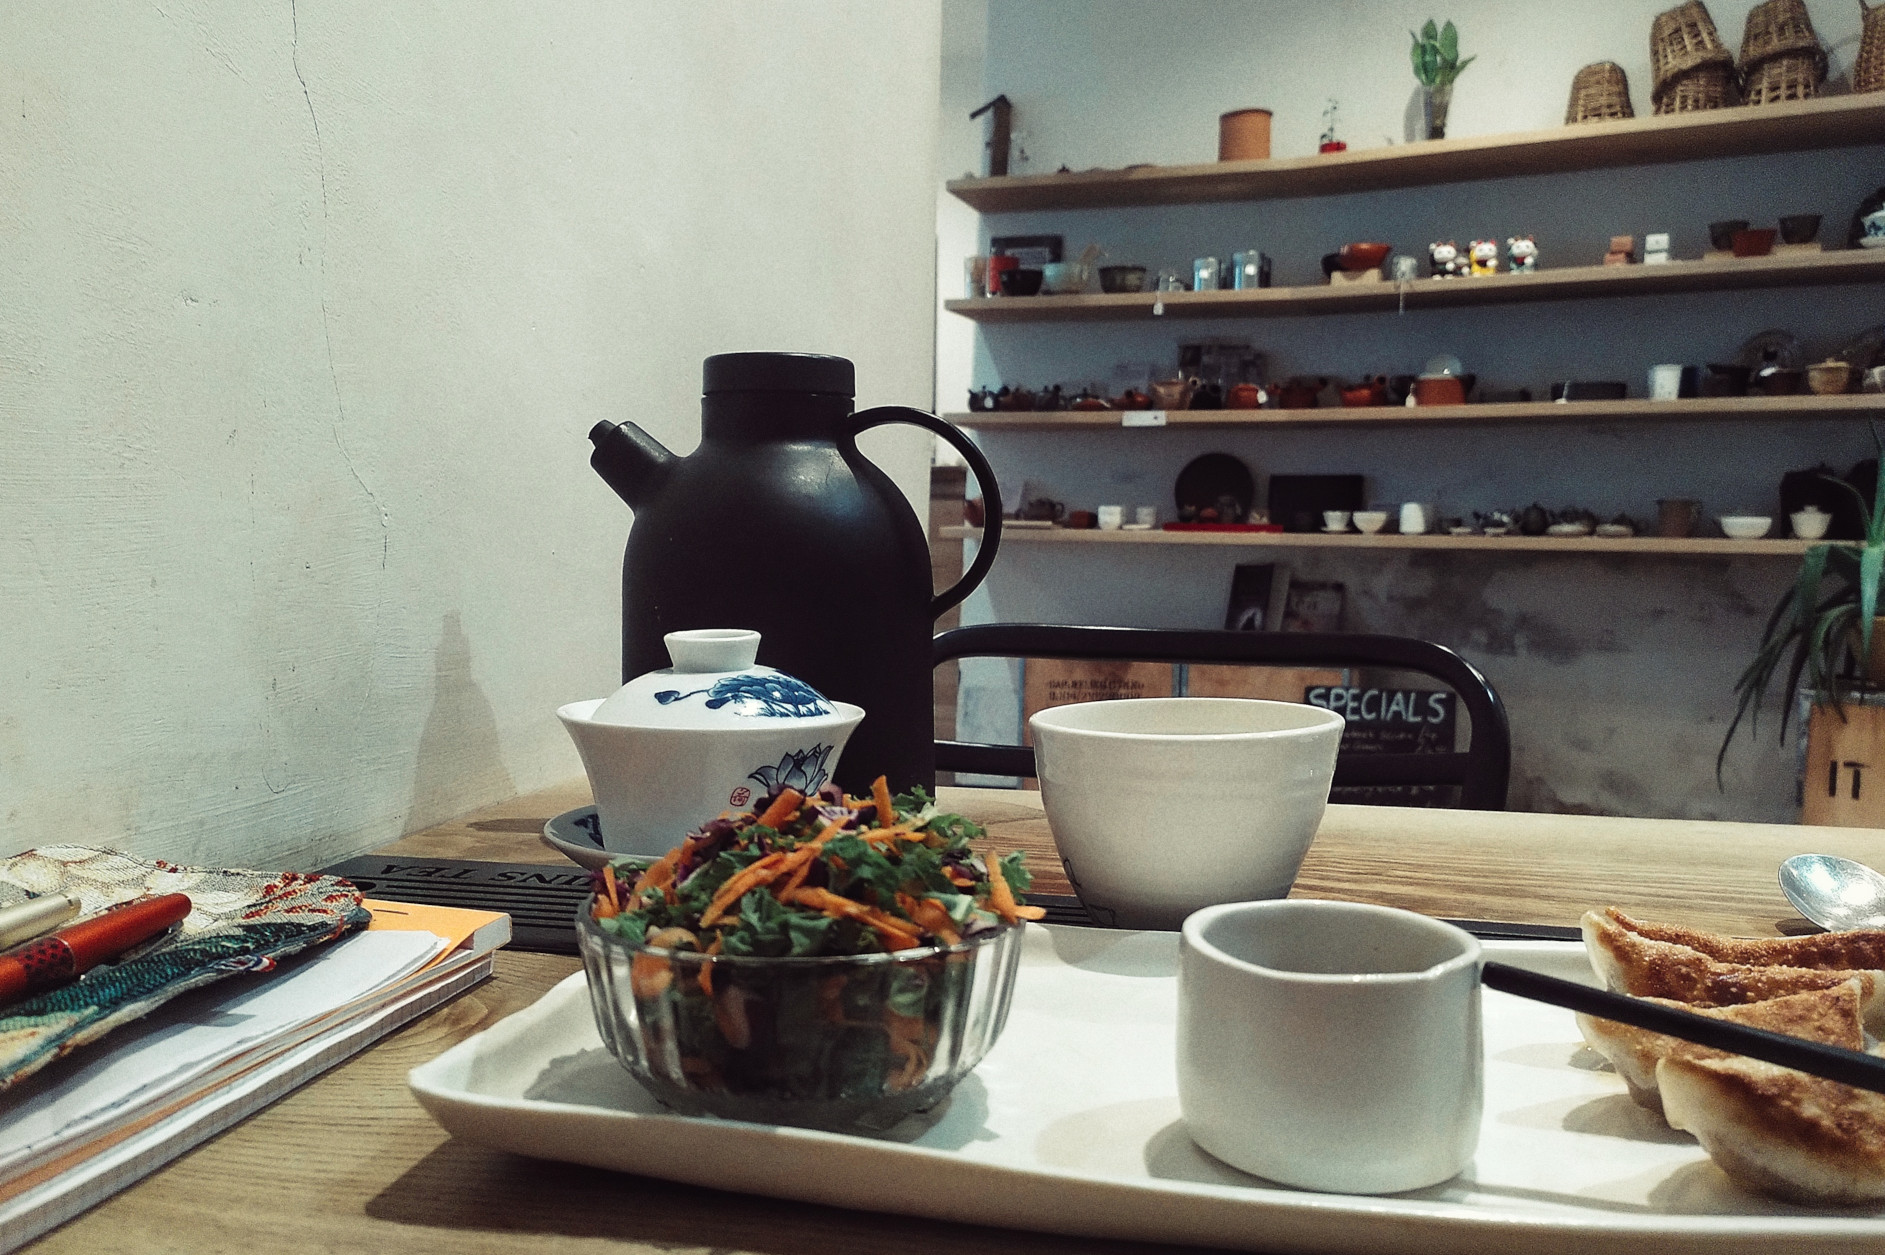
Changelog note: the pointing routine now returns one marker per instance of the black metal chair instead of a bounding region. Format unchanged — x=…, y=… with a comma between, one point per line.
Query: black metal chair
x=1481, y=771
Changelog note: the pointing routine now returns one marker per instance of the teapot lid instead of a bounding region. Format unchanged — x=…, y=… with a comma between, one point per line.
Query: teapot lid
x=779, y=372
x=713, y=684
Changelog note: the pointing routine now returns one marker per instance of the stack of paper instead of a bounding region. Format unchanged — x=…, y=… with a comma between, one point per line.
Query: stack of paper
x=79, y=1132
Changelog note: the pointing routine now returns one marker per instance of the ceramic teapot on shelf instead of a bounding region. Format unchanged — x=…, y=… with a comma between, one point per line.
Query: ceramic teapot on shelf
x=777, y=523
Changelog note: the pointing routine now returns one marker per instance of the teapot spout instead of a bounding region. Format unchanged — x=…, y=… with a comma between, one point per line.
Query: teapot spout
x=630, y=461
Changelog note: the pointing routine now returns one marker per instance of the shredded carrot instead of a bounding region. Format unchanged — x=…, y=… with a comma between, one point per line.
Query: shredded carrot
x=897, y=935
x=604, y=908
x=931, y=915
x=706, y=969
x=1001, y=897
x=760, y=873
x=615, y=893
x=659, y=874
x=880, y=793
x=783, y=808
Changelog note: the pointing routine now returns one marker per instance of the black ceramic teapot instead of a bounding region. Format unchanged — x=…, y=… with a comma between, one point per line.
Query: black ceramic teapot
x=777, y=523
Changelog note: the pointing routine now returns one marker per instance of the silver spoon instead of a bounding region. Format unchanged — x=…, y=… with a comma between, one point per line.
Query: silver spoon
x=1835, y=893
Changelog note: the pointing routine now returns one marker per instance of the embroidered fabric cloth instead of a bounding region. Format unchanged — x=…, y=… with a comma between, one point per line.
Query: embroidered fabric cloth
x=240, y=921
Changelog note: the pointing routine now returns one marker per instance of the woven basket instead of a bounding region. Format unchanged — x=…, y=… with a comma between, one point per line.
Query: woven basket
x=1599, y=93
x=1774, y=27
x=1789, y=76
x=1709, y=86
x=1681, y=40
x=1868, y=68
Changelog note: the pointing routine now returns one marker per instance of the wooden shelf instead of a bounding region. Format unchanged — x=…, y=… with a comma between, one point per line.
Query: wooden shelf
x=1561, y=283
x=1802, y=408
x=1826, y=122
x=1693, y=547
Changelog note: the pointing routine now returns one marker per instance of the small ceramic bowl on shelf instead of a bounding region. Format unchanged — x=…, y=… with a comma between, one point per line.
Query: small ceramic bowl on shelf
x=1721, y=234
x=1122, y=278
x=1368, y=522
x=1745, y=526
x=1810, y=523
x=1362, y=256
x=1800, y=228
x=1064, y=277
x=1828, y=378
x=1754, y=242
x=1021, y=282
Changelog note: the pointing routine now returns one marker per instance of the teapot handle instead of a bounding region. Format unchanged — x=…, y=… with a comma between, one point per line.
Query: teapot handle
x=864, y=420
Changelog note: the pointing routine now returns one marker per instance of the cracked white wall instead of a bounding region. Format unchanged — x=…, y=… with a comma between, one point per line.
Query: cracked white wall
x=305, y=310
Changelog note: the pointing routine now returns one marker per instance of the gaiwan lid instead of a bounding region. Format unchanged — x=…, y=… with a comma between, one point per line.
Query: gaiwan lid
x=713, y=685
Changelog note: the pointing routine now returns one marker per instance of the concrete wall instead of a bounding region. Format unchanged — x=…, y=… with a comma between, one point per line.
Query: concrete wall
x=306, y=310
x=1618, y=672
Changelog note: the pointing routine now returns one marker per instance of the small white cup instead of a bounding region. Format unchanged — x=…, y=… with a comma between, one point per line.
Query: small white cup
x=1162, y=805
x=1414, y=518
x=1369, y=522
x=1112, y=517
x=1331, y=1045
x=1146, y=516
x=1335, y=520
x=1665, y=382
x=1810, y=523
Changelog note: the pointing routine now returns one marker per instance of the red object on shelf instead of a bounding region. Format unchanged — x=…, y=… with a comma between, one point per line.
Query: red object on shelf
x=1223, y=527
x=1334, y=146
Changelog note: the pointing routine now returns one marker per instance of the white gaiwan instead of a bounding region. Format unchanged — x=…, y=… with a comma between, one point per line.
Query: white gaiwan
x=672, y=749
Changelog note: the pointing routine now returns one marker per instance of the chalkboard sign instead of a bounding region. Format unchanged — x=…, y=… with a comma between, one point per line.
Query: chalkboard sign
x=1392, y=721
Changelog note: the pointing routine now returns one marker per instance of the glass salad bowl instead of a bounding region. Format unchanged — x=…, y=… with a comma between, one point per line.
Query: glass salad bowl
x=848, y=1044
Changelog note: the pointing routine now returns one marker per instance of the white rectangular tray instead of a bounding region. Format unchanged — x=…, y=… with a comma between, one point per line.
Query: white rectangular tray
x=1071, y=1125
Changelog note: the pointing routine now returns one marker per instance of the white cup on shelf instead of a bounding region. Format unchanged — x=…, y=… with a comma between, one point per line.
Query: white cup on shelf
x=1112, y=517
x=1146, y=516
x=1335, y=520
x=1665, y=381
x=1415, y=518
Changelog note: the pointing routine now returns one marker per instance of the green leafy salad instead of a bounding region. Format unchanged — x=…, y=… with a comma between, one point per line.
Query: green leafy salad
x=825, y=875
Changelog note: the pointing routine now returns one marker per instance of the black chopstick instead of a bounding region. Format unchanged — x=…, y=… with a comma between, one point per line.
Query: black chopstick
x=1832, y=1063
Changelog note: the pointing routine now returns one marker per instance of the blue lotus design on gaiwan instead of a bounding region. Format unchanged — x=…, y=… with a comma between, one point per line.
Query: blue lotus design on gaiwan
x=804, y=770
x=775, y=696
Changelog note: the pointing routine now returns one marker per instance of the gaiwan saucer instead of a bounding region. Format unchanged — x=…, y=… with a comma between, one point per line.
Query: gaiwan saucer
x=578, y=835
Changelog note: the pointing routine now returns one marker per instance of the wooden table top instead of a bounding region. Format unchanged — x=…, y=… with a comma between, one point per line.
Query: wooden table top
x=350, y=1162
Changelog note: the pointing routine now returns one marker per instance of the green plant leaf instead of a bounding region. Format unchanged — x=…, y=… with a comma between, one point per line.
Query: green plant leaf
x=1414, y=54
x=1430, y=63
x=1449, y=42
x=1871, y=563
x=1430, y=32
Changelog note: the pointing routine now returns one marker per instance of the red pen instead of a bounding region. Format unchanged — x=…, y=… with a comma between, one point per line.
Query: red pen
x=71, y=952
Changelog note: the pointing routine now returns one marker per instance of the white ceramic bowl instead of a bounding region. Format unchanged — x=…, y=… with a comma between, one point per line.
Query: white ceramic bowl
x=1063, y=276
x=1370, y=521
x=1160, y=806
x=673, y=748
x=1810, y=524
x=1745, y=526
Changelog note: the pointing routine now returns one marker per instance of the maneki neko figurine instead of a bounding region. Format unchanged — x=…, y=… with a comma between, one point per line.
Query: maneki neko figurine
x=1521, y=254
x=1444, y=260
x=1485, y=257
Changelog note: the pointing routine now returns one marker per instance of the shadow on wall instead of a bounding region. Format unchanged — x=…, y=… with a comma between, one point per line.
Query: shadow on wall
x=459, y=766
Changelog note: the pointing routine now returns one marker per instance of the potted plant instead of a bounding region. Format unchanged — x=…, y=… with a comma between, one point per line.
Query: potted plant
x=1825, y=631
x=1436, y=57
